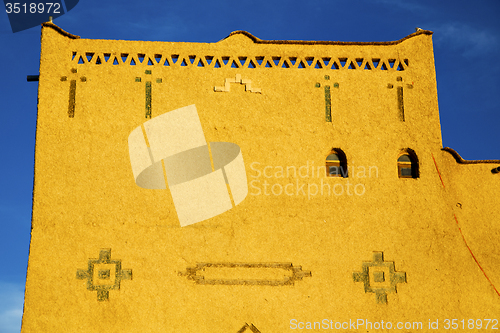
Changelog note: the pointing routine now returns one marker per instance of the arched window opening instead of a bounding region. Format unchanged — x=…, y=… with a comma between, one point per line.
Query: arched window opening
x=408, y=165
x=336, y=164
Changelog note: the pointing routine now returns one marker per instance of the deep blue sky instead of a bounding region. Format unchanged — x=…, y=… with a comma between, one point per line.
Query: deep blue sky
x=467, y=55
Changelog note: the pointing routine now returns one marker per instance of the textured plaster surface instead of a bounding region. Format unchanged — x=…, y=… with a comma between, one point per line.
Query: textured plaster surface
x=86, y=199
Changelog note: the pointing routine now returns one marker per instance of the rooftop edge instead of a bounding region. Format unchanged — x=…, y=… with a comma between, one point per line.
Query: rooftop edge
x=59, y=30
x=257, y=40
x=460, y=160
x=301, y=42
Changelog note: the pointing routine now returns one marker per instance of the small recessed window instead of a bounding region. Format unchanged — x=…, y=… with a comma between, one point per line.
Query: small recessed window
x=336, y=164
x=407, y=166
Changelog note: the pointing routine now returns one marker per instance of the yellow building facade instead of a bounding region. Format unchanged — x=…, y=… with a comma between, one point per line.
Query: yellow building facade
x=254, y=186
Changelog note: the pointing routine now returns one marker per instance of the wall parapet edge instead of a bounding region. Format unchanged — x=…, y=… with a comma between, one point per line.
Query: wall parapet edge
x=302, y=42
x=261, y=41
x=59, y=30
x=460, y=160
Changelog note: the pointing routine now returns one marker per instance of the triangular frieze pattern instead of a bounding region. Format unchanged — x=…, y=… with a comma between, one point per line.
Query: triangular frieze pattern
x=250, y=62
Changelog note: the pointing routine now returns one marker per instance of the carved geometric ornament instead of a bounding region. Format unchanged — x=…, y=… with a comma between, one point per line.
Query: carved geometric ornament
x=379, y=277
x=237, y=79
x=249, y=329
x=104, y=274
x=263, y=274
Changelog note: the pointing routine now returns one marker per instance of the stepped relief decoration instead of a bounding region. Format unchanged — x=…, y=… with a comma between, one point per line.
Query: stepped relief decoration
x=237, y=79
x=379, y=277
x=104, y=274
